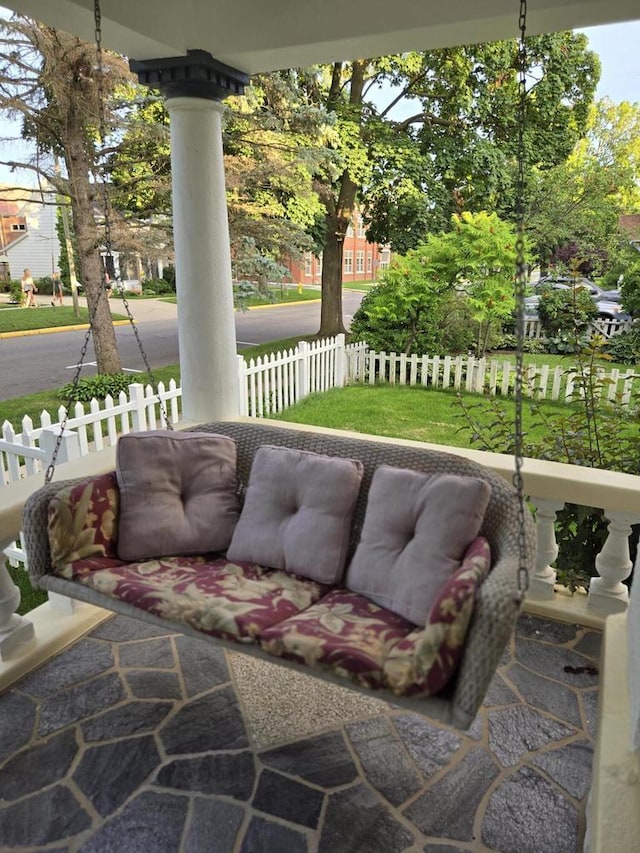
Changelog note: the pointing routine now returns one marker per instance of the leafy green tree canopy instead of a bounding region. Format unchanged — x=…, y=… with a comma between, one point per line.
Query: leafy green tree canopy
x=473, y=263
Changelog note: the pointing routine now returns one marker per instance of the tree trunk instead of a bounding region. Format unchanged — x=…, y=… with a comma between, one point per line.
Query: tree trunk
x=331, y=321
x=82, y=197
x=338, y=216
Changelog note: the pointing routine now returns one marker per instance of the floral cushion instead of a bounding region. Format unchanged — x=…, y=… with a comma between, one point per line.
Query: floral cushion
x=83, y=523
x=423, y=662
x=344, y=632
x=224, y=599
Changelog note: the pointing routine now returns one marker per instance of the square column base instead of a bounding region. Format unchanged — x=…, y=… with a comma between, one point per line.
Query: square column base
x=21, y=631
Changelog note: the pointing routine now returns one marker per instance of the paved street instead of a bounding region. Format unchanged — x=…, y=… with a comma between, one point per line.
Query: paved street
x=41, y=362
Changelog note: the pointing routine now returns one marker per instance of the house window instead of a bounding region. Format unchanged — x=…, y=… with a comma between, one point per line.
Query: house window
x=369, y=261
x=350, y=230
x=348, y=262
x=359, y=261
x=308, y=268
x=19, y=227
x=319, y=264
x=360, y=228
x=385, y=255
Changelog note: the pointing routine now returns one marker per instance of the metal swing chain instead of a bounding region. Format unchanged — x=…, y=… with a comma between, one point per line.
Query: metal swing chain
x=104, y=288
x=520, y=287
x=97, y=13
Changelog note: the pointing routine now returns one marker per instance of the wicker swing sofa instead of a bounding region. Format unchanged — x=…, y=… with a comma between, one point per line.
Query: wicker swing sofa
x=329, y=629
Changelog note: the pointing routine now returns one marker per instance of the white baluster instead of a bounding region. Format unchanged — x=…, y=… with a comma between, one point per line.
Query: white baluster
x=607, y=593
x=541, y=585
x=14, y=629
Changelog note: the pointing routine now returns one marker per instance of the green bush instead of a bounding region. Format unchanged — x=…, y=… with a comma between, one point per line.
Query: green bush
x=625, y=347
x=99, y=386
x=16, y=294
x=565, y=313
x=630, y=289
x=158, y=286
x=508, y=341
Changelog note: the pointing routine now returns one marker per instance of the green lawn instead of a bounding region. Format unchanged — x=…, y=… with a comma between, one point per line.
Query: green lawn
x=45, y=317
x=398, y=411
x=359, y=285
x=280, y=296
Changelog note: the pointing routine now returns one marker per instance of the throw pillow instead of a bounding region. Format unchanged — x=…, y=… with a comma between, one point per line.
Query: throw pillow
x=82, y=521
x=423, y=662
x=177, y=493
x=297, y=512
x=415, y=533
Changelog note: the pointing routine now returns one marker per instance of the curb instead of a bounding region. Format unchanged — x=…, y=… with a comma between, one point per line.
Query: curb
x=280, y=304
x=29, y=332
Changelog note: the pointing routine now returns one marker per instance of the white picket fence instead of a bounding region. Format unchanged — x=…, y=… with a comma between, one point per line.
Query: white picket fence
x=29, y=450
x=271, y=384
x=606, y=328
x=481, y=375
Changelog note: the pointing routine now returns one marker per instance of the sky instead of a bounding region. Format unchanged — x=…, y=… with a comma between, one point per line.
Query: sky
x=618, y=46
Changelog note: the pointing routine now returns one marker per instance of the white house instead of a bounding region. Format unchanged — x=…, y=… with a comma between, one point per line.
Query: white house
x=36, y=245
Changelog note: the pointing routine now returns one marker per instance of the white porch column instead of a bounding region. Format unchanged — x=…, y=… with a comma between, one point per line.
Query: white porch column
x=206, y=324
x=194, y=86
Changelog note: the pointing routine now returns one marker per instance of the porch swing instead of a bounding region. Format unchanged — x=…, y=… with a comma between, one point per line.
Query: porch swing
x=435, y=549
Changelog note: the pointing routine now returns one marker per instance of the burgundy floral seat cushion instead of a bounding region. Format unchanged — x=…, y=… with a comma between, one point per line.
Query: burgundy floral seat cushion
x=423, y=662
x=345, y=632
x=82, y=523
x=357, y=639
x=229, y=600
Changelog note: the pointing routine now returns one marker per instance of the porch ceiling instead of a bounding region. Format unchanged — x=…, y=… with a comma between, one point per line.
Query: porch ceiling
x=264, y=35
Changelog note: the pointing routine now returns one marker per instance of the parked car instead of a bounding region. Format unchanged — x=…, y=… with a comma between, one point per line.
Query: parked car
x=562, y=282
x=607, y=309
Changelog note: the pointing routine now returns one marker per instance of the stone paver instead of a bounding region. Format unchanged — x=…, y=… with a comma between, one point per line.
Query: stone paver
x=140, y=739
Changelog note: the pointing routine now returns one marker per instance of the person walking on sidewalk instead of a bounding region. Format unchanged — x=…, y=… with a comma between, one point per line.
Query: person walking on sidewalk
x=57, y=288
x=29, y=289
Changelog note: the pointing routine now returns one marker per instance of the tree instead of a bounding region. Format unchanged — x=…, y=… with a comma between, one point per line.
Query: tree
x=579, y=201
x=454, y=152
x=271, y=141
x=469, y=268
x=49, y=80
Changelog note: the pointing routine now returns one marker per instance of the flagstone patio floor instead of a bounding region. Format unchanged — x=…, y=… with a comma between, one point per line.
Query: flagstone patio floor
x=135, y=739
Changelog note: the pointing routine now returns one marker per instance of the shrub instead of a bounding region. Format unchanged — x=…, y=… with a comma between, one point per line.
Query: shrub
x=565, y=313
x=159, y=286
x=16, y=294
x=630, y=289
x=625, y=347
x=99, y=386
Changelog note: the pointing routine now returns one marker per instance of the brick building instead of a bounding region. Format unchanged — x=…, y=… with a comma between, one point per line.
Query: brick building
x=361, y=261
